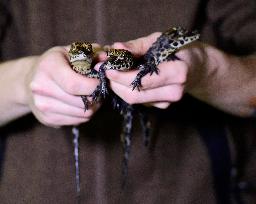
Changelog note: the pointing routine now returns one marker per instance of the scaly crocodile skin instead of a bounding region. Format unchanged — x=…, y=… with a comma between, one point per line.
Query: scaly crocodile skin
x=81, y=57
x=162, y=50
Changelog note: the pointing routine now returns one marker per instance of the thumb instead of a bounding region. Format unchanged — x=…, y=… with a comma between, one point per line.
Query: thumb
x=138, y=47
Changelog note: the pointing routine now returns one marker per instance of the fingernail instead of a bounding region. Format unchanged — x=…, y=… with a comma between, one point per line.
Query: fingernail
x=97, y=66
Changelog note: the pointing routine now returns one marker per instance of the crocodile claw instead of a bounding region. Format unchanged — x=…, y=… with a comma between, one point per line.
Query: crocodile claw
x=154, y=70
x=136, y=84
x=86, y=103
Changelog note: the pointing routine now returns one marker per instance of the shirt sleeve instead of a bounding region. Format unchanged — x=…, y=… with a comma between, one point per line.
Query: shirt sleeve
x=234, y=24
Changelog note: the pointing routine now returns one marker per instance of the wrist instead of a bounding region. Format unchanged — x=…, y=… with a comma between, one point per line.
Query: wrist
x=223, y=81
x=25, y=69
x=208, y=66
x=13, y=76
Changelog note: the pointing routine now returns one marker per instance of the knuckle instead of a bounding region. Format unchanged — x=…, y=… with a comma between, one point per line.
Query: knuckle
x=52, y=120
x=130, y=98
x=175, y=94
x=70, y=86
x=182, y=74
x=38, y=88
x=118, y=45
x=41, y=105
x=34, y=86
x=48, y=60
x=114, y=75
x=88, y=113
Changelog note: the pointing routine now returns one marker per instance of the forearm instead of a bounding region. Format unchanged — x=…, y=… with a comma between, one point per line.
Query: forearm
x=13, y=88
x=227, y=82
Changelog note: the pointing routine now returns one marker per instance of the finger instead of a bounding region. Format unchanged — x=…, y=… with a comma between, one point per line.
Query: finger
x=169, y=93
x=56, y=120
x=99, y=52
x=97, y=66
x=50, y=105
x=173, y=72
x=54, y=91
x=56, y=65
x=139, y=46
x=102, y=56
x=160, y=105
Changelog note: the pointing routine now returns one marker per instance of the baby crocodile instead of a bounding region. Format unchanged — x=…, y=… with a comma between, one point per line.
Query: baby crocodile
x=163, y=49
x=118, y=59
x=81, y=57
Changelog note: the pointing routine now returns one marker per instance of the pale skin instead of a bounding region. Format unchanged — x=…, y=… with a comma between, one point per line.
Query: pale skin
x=46, y=85
x=224, y=81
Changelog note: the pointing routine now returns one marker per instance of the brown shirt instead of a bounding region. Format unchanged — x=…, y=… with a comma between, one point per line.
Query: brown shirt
x=38, y=165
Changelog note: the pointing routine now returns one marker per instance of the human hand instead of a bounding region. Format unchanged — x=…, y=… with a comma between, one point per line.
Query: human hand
x=222, y=80
x=54, y=90
x=157, y=90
